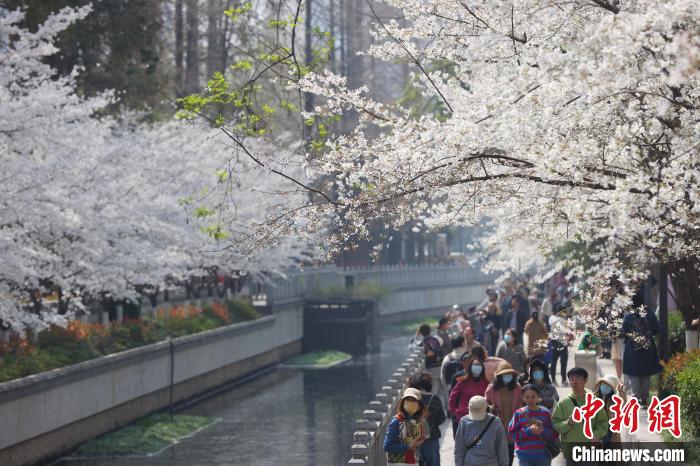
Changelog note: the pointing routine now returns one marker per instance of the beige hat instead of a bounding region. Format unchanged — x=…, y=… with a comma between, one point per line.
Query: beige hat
x=411, y=393
x=477, y=408
x=609, y=380
x=505, y=368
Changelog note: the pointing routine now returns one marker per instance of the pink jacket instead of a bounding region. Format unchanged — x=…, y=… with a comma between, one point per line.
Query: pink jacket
x=462, y=393
x=493, y=398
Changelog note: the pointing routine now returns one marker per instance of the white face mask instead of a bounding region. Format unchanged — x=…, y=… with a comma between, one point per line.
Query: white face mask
x=476, y=370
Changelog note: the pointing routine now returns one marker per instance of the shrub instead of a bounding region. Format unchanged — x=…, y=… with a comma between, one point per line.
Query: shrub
x=688, y=386
x=218, y=312
x=77, y=342
x=676, y=333
x=370, y=290
x=673, y=368
x=242, y=311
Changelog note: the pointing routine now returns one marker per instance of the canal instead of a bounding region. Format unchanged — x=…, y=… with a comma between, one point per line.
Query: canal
x=300, y=417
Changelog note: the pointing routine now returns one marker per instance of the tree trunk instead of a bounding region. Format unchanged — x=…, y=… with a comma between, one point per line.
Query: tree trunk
x=214, y=37
x=343, y=33
x=192, y=72
x=332, y=32
x=686, y=286
x=308, y=60
x=179, y=50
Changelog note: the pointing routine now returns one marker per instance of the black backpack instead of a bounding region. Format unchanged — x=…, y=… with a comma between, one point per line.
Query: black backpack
x=452, y=366
x=432, y=348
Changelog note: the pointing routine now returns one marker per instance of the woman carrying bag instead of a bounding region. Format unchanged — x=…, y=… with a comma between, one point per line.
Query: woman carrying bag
x=531, y=429
x=505, y=397
x=404, y=434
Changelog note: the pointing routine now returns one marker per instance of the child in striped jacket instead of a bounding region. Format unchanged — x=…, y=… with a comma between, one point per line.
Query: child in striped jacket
x=530, y=427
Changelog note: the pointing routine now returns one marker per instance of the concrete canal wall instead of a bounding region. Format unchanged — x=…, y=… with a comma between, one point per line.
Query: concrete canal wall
x=48, y=414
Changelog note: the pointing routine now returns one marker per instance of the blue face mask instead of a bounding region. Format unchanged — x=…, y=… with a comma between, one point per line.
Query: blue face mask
x=605, y=389
x=507, y=338
x=476, y=370
x=538, y=375
x=507, y=378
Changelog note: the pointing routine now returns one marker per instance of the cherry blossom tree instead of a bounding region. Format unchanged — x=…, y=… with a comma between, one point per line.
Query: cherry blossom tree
x=563, y=122
x=97, y=206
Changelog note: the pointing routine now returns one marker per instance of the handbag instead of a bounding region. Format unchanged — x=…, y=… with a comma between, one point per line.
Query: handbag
x=553, y=448
x=425, y=427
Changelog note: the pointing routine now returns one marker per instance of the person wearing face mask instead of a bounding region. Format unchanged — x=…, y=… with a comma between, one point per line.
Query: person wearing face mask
x=605, y=389
x=435, y=416
x=472, y=383
x=504, y=397
x=539, y=376
x=512, y=351
x=404, y=435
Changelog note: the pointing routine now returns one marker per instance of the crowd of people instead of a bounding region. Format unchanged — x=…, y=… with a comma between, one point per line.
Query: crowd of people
x=502, y=396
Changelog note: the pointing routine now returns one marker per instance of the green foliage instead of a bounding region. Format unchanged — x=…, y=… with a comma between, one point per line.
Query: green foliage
x=242, y=311
x=319, y=359
x=410, y=326
x=681, y=376
x=235, y=13
x=116, y=46
x=363, y=290
x=203, y=212
x=59, y=347
x=242, y=65
x=676, y=332
x=144, y=437
x=688, y=386
x=575, y=252
x=215, y=231
x=422, y=102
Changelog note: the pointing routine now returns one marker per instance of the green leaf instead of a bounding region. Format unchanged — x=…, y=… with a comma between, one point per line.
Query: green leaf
x=235, y=13
x=222, y=175
x=203, y=212
x=241, y=65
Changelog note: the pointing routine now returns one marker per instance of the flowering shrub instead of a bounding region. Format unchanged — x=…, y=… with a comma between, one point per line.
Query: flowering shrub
x=78, y=341
x=688, y=385
x=674, y=367
x=681, y=376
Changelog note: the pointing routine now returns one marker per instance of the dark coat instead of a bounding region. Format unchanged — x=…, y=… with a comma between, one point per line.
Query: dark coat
x=640, y=358
x=520, y=319
x=436, y=414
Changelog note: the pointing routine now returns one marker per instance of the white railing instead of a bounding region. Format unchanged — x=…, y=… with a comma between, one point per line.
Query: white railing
x=368, y=437
x=299, y=284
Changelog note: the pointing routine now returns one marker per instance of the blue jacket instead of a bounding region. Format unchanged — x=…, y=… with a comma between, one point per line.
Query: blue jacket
x=400, y=432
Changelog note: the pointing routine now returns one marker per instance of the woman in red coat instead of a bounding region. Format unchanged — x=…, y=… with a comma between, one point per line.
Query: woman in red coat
x=472, y=383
